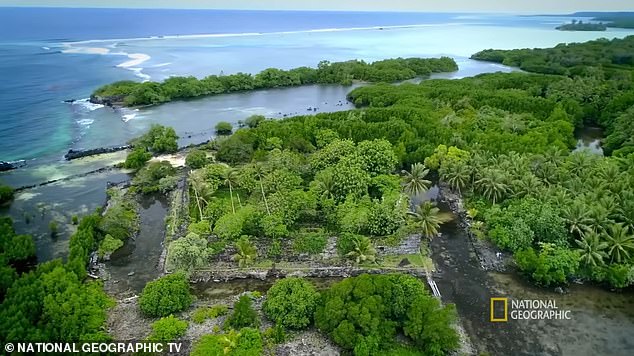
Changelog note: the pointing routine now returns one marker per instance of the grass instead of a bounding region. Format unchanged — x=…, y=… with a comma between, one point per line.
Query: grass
x=416, y=260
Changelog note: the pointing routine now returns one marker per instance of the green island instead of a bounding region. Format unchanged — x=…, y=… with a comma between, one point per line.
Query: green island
x=579, y=25
x=130, y=93
x=311, y=195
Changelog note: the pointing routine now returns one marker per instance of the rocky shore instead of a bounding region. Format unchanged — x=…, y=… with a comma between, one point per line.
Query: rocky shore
x=74, y=154
x=112, y=101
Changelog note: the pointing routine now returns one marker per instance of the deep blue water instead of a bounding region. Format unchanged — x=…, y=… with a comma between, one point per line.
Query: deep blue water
x=67, y=24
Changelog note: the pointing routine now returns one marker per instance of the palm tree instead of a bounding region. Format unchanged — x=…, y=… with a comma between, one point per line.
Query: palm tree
x=231, y=179
x=620, y=243
x=414, y=182
x=599, y=218
x=259, y=171
x=591, y=249
x=429, y=218
x=245, y=252
x=457, y=175
x=201, y=189
x=577, y=217
x=580, y=163
x=554, y=155
x=493, y=184
x=528, y=185
x=363, y=250
x=325, y=184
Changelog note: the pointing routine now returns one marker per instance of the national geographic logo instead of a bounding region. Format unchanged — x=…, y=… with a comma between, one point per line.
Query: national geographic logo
x=526, y=309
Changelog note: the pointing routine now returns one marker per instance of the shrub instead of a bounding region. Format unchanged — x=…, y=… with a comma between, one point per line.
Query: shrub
x=310, y=242
x=201, y=314
x=196, y=159
x=52, y=226
x=246, y=342
x=229, y=226
x=551, y=266
x=156, y=176
x=223, y=128
x=158, y=139
x=168, y=329
x=121, y=220
x=109, y=245
x=243, y=315
x=346, y=242
x=166, y=295
x=187, y=253
x=254, y=120
x=291, y=303
x=137, y=158
x=6, y=194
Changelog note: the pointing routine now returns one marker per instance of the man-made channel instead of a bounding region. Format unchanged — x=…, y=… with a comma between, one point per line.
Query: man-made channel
x=601, y=321
x=136, y=263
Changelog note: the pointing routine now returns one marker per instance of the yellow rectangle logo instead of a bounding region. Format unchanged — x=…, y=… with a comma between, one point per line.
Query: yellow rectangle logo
x=506, y=304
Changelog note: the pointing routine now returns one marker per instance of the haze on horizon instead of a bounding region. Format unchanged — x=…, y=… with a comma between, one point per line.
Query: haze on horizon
x=509, y=6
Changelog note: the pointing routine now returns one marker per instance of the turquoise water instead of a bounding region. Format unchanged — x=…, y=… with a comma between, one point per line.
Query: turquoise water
x=51, y=55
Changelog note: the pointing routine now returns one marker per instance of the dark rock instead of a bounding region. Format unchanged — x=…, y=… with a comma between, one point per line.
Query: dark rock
x=73, y=154
x=111, y=101
x=7, y=166
x=70, y=101
x=404, y=262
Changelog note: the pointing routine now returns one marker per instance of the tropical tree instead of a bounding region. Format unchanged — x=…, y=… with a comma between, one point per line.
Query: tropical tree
x=362, y=250
x=457, y=175
x=414, y=182
x=259, y=171
x=620, y=243
x=245, y=252
x=202, y=190
x=429, y=218
x=527, y=185
x=577, y=218
x=231, y=178
x=599, y=218
x=591, y=249
x=324, y=184
x=493, y=184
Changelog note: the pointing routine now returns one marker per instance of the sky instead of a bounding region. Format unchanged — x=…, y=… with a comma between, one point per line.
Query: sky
x=519, y=6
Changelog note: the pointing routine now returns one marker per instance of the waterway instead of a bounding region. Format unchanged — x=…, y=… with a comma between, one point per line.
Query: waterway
x=136, y=263
x=601, y=322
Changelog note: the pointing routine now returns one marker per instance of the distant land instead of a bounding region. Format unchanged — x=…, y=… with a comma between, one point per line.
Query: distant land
x=619, y=19
x=582, y=26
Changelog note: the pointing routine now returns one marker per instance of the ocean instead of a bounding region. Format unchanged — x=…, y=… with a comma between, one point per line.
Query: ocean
x=49, y=55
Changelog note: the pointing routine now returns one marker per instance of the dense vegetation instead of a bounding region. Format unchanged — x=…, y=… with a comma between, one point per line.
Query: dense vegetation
x=52, y=301
x=159, y=139
x=364, y=314
x=175, y=88
x=502, y=140
x=166, y=295
x=6, y=194
x=291, y=302
x=274, y=201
